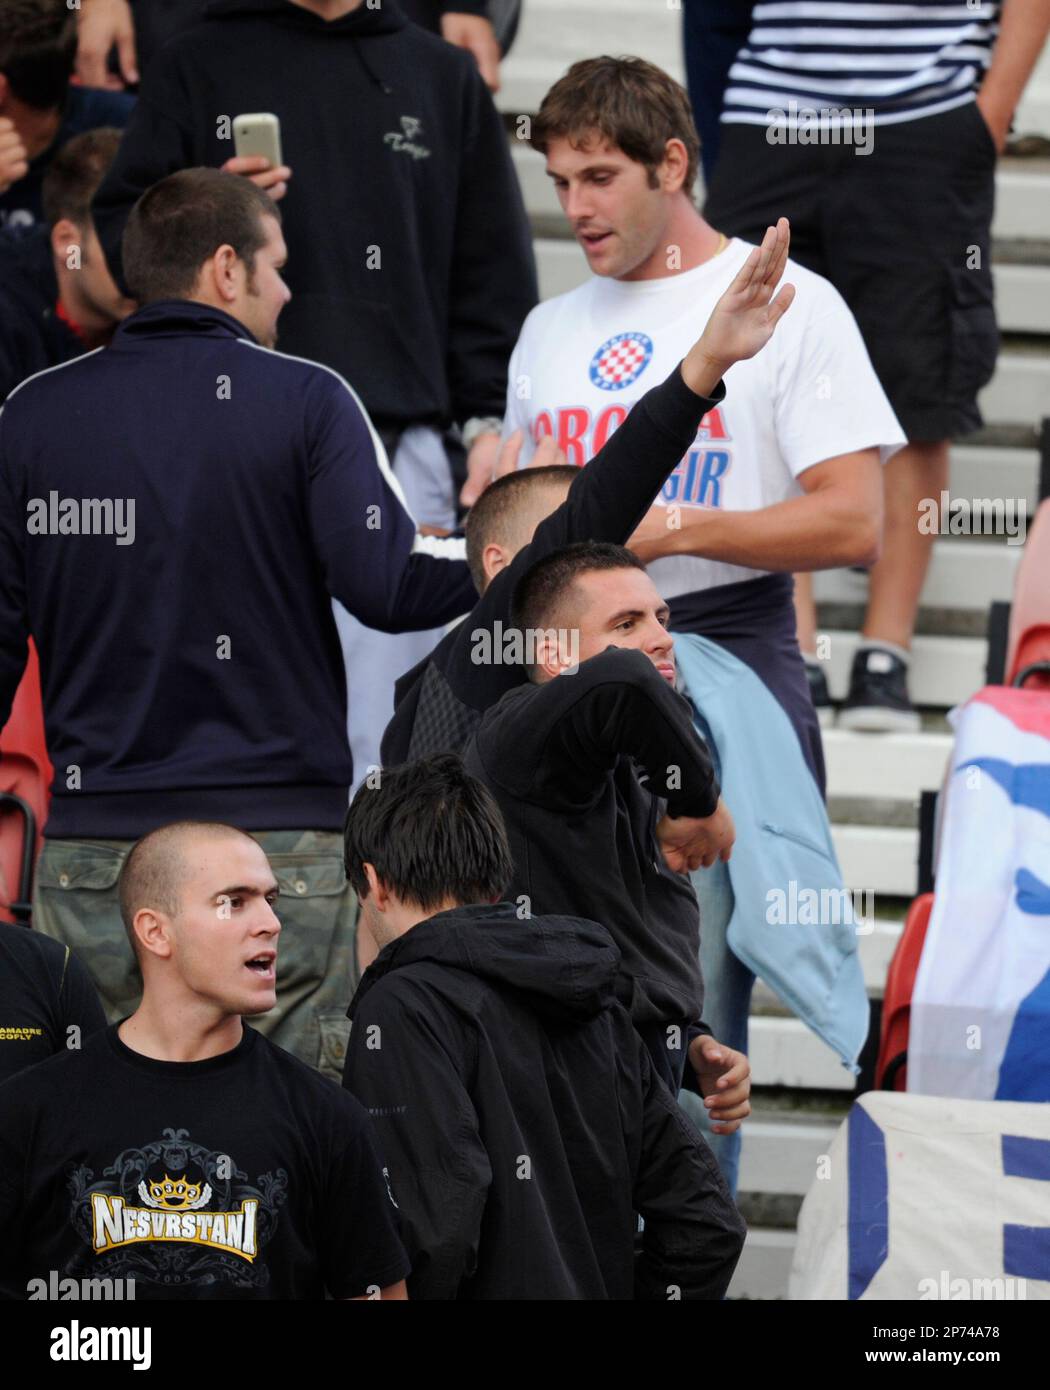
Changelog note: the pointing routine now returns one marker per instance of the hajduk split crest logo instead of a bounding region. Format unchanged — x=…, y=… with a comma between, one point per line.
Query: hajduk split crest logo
x=620, y=361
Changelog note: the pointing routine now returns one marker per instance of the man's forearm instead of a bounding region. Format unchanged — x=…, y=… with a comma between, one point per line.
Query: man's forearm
x=1023, y=27
x=818, y=531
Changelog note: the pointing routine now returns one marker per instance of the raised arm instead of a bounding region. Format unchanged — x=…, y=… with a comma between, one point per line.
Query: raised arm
x=373, y=559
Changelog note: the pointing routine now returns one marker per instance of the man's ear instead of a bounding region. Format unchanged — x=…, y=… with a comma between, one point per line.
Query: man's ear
x=65, y=234
x=152, y=931
x=222, y=273
x=493, y=559
x=547, y=659
x=377, y=890
x=675, y=166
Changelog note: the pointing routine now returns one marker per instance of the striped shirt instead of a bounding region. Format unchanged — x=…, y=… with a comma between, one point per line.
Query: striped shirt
x=894, y=62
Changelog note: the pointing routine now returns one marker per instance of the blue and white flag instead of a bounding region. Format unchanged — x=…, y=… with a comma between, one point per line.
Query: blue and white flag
x=922, y=1198
x=980, y=1016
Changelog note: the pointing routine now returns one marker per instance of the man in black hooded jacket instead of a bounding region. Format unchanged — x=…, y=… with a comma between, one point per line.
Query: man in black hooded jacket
x=516, y=1107
x=409, y=256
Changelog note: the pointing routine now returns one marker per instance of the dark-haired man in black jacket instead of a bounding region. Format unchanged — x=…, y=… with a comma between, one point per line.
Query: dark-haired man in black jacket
x=517, y=1109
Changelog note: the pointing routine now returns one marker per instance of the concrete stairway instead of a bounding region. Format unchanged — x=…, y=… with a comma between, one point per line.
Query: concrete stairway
x=801, y=1091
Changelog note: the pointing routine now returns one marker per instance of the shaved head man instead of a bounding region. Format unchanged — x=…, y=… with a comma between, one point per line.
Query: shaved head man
x=503, y=519
x=198, y=902
x=181, y=1148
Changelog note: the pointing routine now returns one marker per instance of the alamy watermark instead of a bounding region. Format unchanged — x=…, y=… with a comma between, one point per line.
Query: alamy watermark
x=974, y=516
x=796, y=124
x=796, y=906
x=513, y=646
x=82, y=516
x=76, y=1343
x=58, y=1289
x=1001, y=1287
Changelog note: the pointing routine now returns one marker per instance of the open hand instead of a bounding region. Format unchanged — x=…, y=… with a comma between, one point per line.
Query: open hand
x=743, y=320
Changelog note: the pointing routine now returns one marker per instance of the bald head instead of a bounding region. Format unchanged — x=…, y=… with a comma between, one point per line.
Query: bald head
x=507, y=513
x=156, y=868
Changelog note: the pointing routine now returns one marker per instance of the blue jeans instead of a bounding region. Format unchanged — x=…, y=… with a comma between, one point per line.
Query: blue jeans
x=727, y=1001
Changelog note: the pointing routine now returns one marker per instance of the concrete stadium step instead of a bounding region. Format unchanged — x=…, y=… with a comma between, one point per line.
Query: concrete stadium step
x=944, y=670
x=779, y=1154
x=963, y=573
x=764, y=1268
x=995, y=471
x=1022, y=195
x=1019, y=392
x=890, y=767
x=784, y=1052
x=881, y=859
x=1022, y=296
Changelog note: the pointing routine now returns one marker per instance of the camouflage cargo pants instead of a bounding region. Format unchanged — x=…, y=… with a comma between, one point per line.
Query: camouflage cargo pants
x=75, y=901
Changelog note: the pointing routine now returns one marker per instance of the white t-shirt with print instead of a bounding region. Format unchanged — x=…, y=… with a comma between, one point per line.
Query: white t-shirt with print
x=584, y=358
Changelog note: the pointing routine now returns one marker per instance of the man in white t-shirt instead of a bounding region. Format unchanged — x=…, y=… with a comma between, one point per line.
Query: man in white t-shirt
x=785, y=475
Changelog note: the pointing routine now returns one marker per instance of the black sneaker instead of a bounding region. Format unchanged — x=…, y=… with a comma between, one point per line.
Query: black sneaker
x=818, y=689
x=878, y=700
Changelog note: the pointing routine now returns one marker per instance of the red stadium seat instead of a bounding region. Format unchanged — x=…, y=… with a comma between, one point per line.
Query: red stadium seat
x=891, y=1069
x=25, y=782
x=1028, y=643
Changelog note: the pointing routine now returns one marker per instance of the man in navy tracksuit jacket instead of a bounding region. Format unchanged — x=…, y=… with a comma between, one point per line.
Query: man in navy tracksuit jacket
x=189, y=658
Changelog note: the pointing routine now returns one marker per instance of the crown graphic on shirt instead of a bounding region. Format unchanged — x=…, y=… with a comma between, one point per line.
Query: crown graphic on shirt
x=175, y=1194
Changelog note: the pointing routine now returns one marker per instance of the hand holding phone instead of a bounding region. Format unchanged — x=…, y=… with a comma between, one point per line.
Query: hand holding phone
x=257, y=141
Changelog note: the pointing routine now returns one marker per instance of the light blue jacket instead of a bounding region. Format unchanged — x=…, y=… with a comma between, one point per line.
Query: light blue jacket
x=793, y=922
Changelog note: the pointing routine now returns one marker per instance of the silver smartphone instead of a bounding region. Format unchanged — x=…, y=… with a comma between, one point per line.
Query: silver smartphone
x=258, y=133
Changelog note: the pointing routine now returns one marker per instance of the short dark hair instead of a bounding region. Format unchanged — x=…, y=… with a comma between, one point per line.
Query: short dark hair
x=151, y=876
x=432, y=833
x=74, y=174
x=38, y=43
x=633, y=104
x=182, y=221
x=500, y=513
x=542, y=591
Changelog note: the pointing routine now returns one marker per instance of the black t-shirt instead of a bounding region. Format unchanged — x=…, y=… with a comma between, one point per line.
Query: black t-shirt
x=44, y=993
x=247, y=1175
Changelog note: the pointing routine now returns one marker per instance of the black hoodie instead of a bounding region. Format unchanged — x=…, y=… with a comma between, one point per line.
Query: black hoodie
x=410, y=262
x=522, y=1122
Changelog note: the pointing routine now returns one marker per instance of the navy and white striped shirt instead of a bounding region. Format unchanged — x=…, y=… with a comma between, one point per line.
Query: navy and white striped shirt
x=896, y=61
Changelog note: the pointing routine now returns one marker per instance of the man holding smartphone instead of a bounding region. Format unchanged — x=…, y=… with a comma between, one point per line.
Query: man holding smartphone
x=410, y=263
